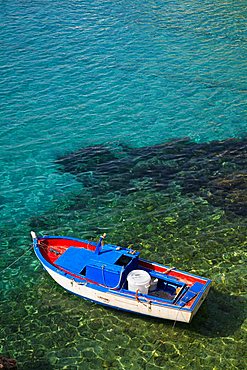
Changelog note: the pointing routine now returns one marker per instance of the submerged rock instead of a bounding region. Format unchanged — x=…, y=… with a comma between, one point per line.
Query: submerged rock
x=214, y=170
x=230, y=192
x=85, y=159
x=7, y=363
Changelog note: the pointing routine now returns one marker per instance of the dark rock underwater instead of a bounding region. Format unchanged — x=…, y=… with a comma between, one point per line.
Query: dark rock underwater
x=215, y=171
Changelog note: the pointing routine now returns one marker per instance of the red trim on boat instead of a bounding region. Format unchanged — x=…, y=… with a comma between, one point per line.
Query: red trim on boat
x=52, y=248
x=78, y=276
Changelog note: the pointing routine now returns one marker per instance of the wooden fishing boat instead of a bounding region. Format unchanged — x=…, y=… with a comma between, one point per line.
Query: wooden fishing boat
x=117, y=277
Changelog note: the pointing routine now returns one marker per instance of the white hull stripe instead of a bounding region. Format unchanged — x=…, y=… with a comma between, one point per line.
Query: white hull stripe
x=121, y=302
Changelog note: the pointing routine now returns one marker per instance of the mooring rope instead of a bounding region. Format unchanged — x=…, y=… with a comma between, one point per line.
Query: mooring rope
x=12, y=263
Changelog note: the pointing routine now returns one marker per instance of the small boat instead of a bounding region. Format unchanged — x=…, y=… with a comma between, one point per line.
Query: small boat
x=117, y=277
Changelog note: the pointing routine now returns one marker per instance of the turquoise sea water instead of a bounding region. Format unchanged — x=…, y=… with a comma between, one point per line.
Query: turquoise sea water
x=126, y=76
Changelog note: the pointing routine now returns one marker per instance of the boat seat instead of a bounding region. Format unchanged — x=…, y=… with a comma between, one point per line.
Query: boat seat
x=190, y=294
x=163, y=276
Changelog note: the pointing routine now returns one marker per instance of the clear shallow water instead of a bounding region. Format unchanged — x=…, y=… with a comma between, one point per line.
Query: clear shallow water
x=76, y=74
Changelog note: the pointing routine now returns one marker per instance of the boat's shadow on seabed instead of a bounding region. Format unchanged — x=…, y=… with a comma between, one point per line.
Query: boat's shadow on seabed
x=220, y=315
